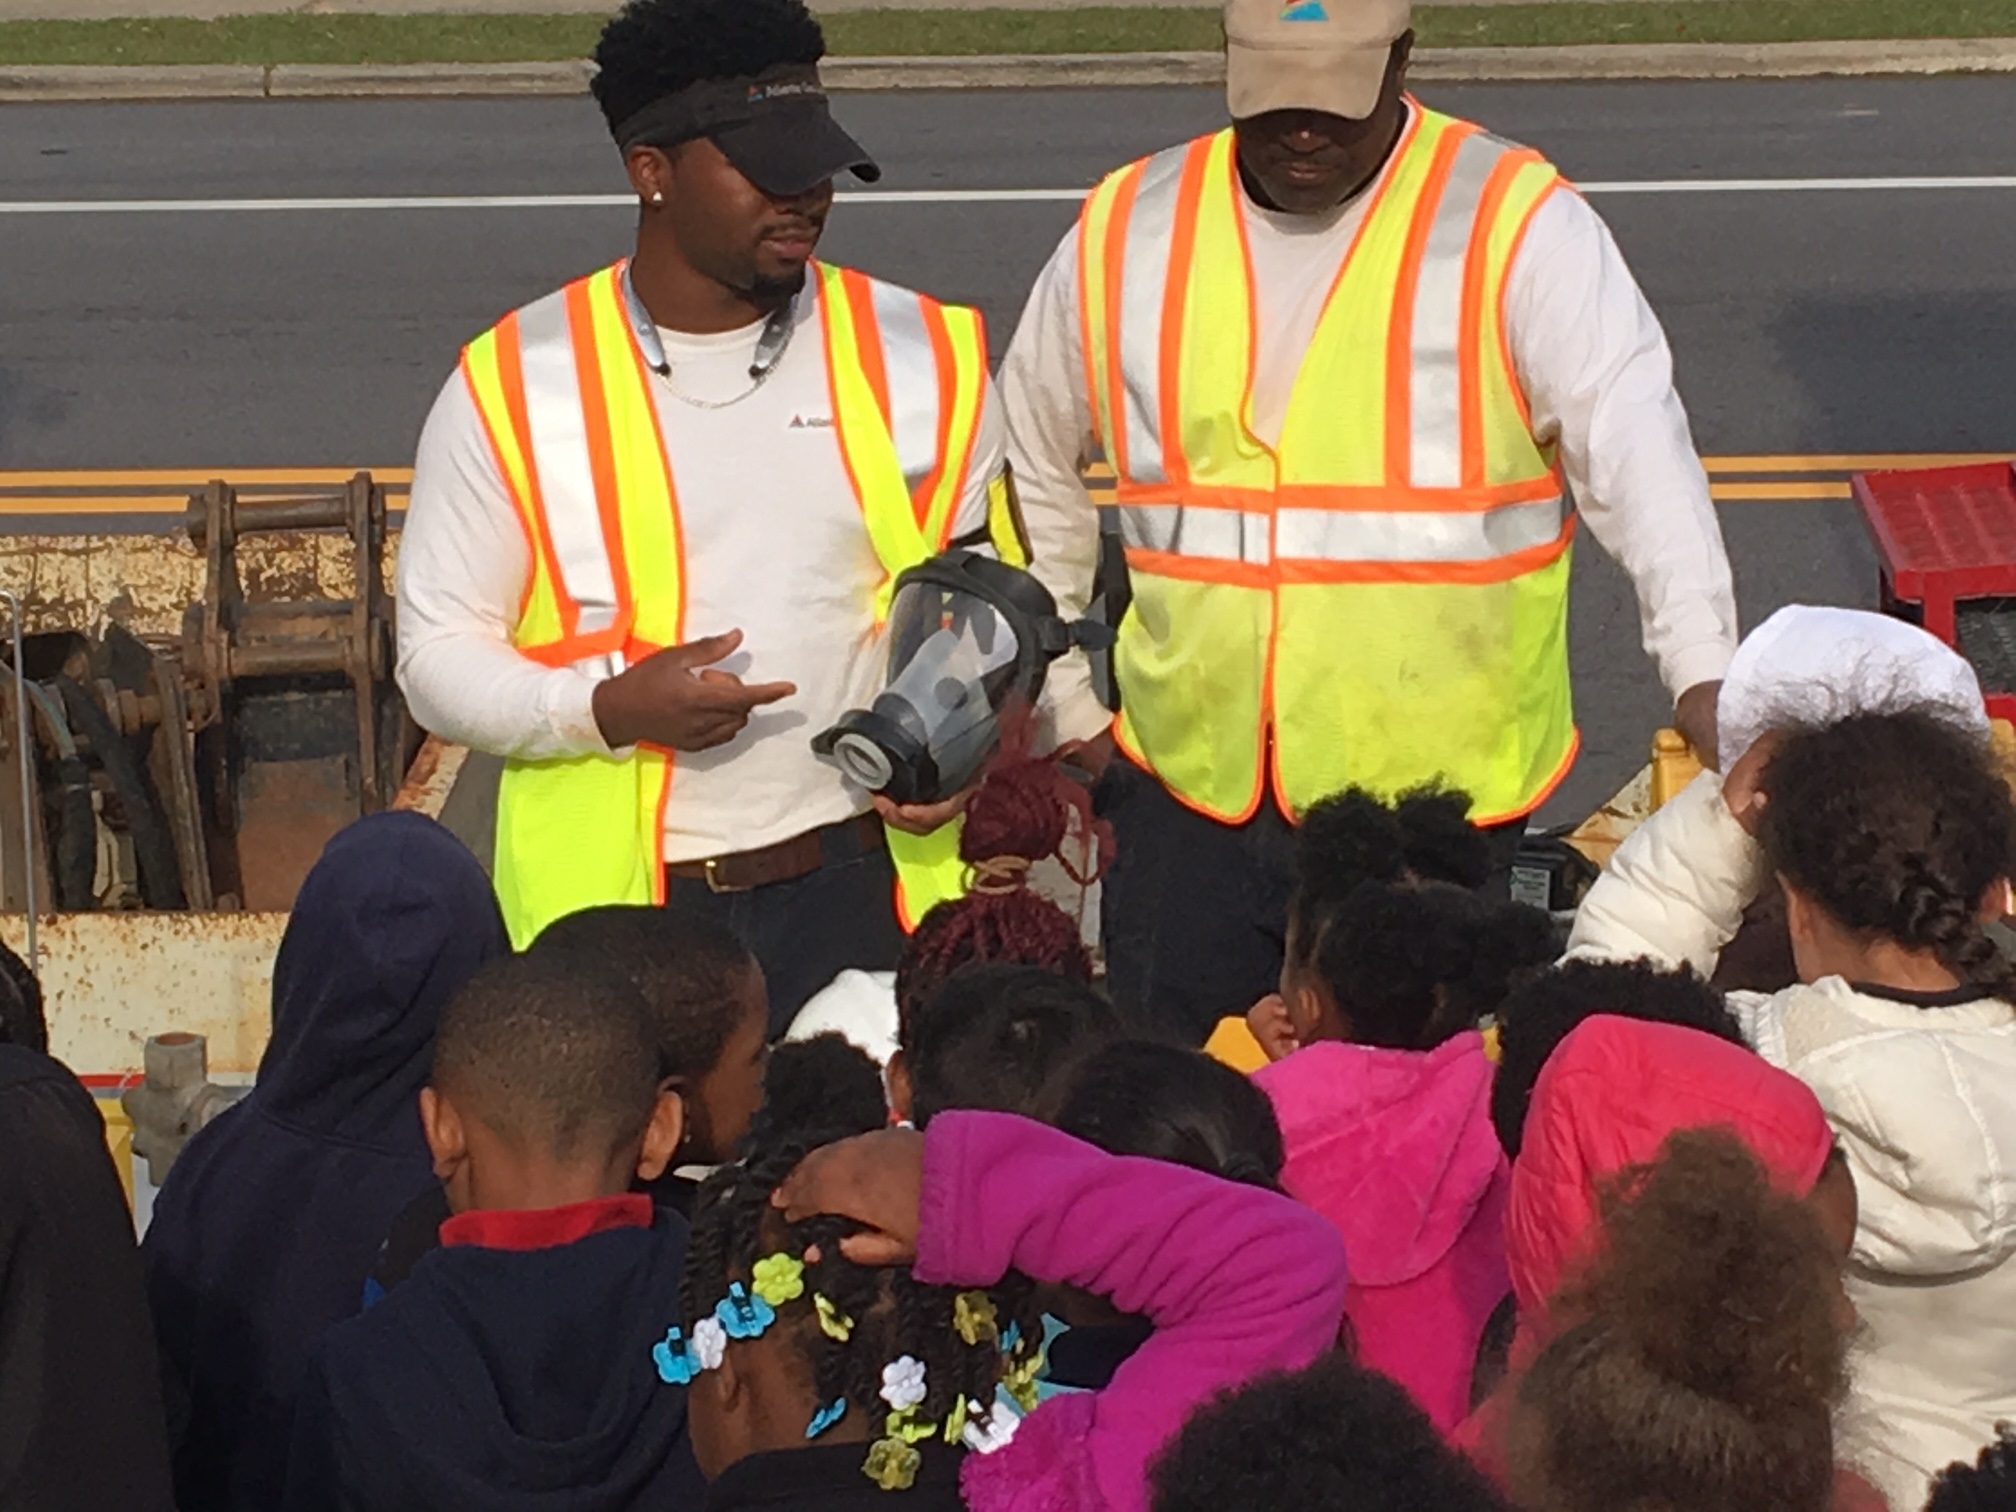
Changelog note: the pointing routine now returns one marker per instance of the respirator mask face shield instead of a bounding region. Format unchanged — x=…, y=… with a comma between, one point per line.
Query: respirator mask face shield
x=969, y=638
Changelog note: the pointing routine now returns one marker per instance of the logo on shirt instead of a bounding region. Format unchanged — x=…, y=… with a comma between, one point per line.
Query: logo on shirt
x=811, y=422
x=1304, y=10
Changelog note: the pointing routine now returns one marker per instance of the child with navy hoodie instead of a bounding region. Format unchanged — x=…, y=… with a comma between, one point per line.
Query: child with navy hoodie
x=513, y=1370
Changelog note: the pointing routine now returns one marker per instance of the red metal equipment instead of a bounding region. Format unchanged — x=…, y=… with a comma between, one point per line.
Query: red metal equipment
x=1946, y=539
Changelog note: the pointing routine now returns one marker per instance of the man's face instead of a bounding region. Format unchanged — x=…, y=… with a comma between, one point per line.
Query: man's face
x=1307, y=162
x=735, y=233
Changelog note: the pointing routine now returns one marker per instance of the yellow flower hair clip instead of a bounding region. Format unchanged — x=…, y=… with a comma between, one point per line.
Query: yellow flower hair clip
x=1019, y=1380
x=908, y=1427
x=892, y=1464
x=833, y=1323
x=975, y=1316
x=778, y=1279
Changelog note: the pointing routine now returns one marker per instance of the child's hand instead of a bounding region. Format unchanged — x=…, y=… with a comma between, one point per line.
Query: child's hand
x=876, y=1180
x=1269, y=1023
x=1741, y=788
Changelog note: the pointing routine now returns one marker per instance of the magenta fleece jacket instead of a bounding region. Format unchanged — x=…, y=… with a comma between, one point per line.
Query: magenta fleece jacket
x=1236, y=1280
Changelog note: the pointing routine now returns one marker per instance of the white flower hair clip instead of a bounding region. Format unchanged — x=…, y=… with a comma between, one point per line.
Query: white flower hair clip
x=903, y=1383
x=710, y=1343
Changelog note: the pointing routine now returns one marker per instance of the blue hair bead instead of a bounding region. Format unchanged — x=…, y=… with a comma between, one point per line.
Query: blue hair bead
x=674, y=1359
x=743, y=1316
x=826, y=1417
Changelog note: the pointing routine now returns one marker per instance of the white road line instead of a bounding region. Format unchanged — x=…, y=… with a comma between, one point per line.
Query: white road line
x=910, y=197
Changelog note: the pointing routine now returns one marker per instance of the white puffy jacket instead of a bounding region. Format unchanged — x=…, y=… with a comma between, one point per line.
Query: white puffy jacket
x=1923, y=1102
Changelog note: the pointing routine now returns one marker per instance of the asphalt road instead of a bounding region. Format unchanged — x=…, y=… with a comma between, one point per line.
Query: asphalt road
x=1875, y=319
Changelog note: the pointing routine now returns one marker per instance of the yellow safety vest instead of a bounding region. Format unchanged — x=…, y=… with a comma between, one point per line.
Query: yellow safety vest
x=1381, y=598
x=566, y=397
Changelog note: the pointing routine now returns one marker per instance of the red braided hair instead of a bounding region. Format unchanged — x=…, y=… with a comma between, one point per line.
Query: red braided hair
x=1026, y=811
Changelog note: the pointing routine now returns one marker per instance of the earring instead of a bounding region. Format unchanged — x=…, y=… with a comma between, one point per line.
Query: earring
x=657, y=197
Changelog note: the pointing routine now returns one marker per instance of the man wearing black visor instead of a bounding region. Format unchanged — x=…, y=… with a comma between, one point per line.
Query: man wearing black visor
x=655, y=515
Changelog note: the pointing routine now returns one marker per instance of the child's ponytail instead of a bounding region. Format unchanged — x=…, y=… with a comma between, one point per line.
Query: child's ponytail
x=1897, y=825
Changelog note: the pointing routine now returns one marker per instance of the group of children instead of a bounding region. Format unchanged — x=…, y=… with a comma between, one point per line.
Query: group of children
x=1507, y=1220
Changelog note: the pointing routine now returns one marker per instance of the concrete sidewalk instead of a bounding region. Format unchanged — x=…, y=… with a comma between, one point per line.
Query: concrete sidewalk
x=91, y=10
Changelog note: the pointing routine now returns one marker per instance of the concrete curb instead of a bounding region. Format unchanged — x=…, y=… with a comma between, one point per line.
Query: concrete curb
x=1703, y=60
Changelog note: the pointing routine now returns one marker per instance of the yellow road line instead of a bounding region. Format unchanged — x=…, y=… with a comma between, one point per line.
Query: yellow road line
x=192, y=477
x=1872, y=462
x=114, y=504
x=1759, y=492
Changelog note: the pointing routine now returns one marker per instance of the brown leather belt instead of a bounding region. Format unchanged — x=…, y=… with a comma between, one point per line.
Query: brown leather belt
x=787, y=860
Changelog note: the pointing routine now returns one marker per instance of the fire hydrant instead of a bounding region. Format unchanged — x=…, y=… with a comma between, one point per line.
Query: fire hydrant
x=176, y=1099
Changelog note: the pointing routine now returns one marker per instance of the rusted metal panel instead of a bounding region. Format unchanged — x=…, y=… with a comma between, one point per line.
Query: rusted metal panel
x=110, y=980
x=431, y=777
x=145, y=582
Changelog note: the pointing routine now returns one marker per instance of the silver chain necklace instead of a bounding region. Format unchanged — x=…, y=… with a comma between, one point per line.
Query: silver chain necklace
x=769, y=349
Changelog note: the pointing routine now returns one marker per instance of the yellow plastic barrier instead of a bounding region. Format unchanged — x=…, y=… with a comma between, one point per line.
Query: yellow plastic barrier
x=119, y=1140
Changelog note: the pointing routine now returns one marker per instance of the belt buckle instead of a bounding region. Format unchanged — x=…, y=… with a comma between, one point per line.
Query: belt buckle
x=710, y=869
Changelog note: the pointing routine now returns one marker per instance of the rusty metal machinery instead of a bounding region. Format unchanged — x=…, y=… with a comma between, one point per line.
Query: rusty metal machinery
x=208, y=771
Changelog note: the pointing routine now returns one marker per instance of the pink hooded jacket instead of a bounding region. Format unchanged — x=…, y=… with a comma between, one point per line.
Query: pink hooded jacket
x=1606, y=1101
x=1396, y=1149
x=1236, y=1280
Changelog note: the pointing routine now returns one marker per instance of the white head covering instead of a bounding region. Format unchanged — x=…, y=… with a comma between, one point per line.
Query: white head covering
x=1808, y=666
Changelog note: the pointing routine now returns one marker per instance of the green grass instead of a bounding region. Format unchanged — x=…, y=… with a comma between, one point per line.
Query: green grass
x=507, y=39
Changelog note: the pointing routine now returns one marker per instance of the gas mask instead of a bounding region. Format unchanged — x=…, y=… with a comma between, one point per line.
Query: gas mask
x=969, y=637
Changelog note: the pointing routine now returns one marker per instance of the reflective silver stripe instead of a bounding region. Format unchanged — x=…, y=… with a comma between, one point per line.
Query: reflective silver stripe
x=912, y=366
x=1437, y=390
x=1151, y=233
x=560, y=452
x=1428, y=535
x=1215, y=535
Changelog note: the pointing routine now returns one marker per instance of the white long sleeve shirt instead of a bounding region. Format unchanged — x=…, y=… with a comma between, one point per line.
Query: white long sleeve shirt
x=1588, y=352
x=774, y=546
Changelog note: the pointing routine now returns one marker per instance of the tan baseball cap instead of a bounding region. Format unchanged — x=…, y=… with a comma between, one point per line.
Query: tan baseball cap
x=1327, y=55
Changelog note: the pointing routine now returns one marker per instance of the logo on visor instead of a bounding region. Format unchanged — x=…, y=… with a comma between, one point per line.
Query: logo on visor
x=810, y=422
x=1304, y=10
x=798, y=89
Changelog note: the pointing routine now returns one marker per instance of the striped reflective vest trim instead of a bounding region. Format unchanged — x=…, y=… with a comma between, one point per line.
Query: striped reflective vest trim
x=567, y=399
x=1380, y=599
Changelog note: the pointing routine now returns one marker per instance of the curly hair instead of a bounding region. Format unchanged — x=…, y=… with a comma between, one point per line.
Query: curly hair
x=1987, y=1485
x=1168, y=1102
x=653, y=48
x=888, y=1313
x=1709, y=1358
x=1332, y=1438
x=1424, y=835
x=1896, y=825
x=1413, y=966
x=1536, y=1016
x=816, y=1084
x=1001, y=1038
x=1025, y=811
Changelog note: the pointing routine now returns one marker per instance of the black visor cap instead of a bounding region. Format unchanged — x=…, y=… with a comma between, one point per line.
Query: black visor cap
x=790, y=148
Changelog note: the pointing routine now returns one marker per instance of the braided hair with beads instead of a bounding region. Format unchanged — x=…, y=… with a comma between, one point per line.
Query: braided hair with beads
x=853, y=1322
x=1897, y=825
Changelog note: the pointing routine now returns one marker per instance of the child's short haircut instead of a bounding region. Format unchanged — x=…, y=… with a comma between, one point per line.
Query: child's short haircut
x=997, y=1038
x=1708, y=1359
x=1332, y=1438
x=552, y=1050
x=1167, y=1102
x=1987, y=1485
x=850, y=1322
x=691, y=972
x=1897, y=825
x=1537, y=1016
